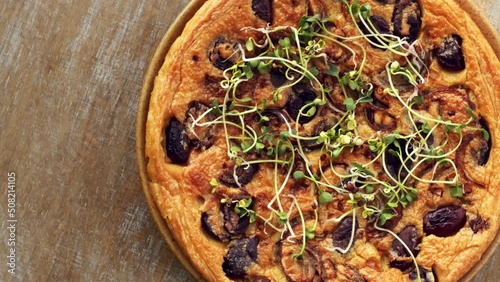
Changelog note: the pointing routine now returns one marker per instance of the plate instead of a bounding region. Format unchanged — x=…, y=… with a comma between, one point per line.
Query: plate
x=175, y=31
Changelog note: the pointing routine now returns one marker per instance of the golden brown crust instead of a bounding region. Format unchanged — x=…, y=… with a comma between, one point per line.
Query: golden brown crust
x=183, y=192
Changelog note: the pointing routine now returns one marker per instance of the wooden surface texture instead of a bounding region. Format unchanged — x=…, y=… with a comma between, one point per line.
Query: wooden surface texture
x=70, y=77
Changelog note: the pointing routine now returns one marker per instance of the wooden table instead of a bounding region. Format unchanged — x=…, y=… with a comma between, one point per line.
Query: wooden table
x=71, y=73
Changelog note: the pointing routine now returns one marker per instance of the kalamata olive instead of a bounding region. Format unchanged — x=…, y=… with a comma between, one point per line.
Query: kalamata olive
x=445, y=221
x=379, y=119
x=343, y=234
x=212, y=223
x=425, y=275
x=177, y=142
x=407, y=19
x=201, y=137
x=233, y=222
x=241, y=255
x=301, y=95
x=297, y=269
x=277, y=78
x=478, y=224
x=263, y=9
x=244, y=175
x=401, y=257
x=450, y=55
x=223, y=53
x=483, y=153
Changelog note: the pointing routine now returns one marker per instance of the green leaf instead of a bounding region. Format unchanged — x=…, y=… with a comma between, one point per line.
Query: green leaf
x=245, y=145
x=249, y=45
x=284, y=135
x=298, y=175
x=385, y=215
x=325, y=197
x=253, y=217
x=333, y=71
x=259, y=146
x=417, y=100
x=369, y=188
x=486, y=135
x=311, y=111
x=263, y=68
x=254, y=63
x=362, y=169
x=389, y=139
x=314, y=71
x=235, y=149
x=282, y=217
x=309, y=234
x=349, y=104
x=470, y=113
x=457, y=191
x=281, y=150
x=248, y=72
x=245, y=99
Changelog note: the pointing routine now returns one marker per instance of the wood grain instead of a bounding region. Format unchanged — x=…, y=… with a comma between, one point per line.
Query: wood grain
x=70, y=77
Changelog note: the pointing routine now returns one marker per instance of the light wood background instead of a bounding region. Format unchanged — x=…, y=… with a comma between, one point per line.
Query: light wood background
x=70, y=77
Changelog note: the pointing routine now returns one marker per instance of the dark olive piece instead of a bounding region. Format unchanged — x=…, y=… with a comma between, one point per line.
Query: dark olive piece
x=177, y=142
x=342, y=235
x=212, y=227
x=381, y=27
x=223, y=54
x=483, y=154
x=407, y=19
x=410, y=237
x=445, y=221
x=201, y=137
x=425, y=275
x=277, y=78
x=263, y=9
x=241, y=255
x=450, y=55
x=393, y=159
x=244, y=174
x=300, y=96
x=233, y=223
